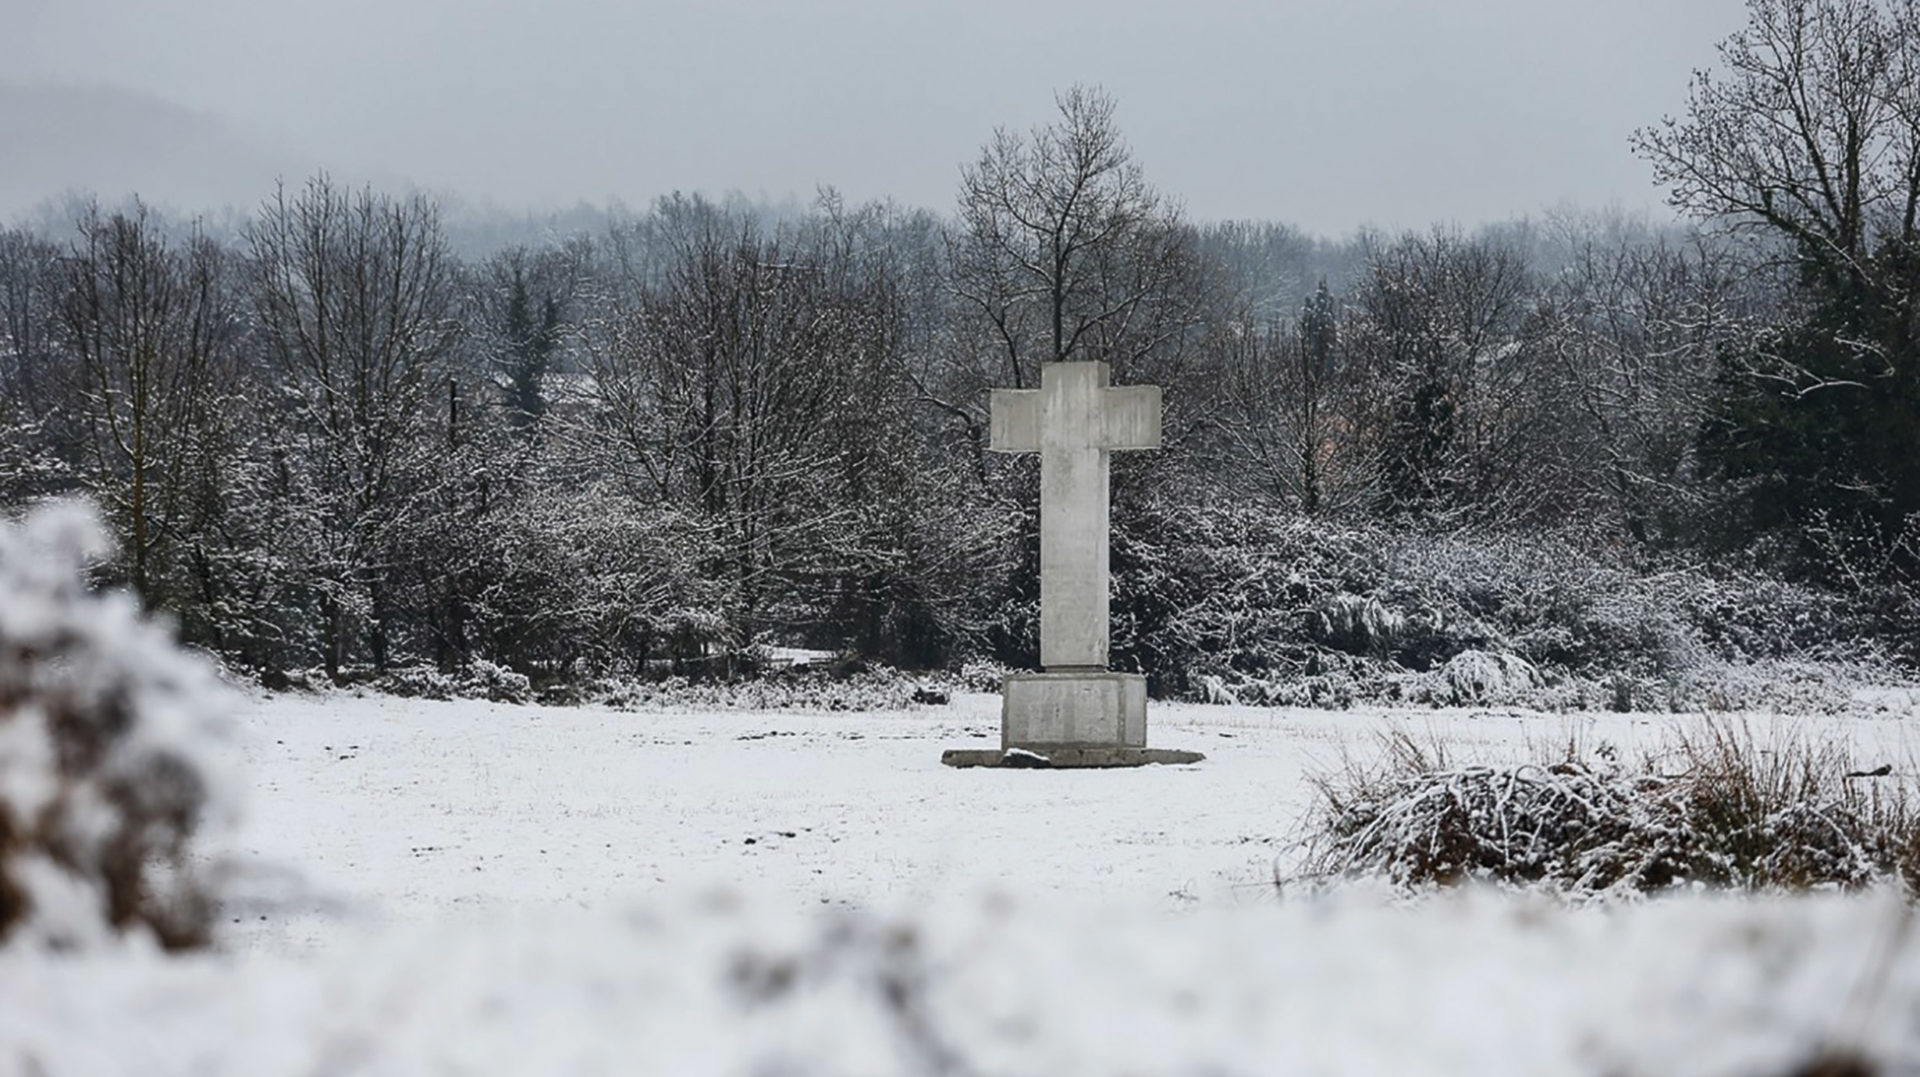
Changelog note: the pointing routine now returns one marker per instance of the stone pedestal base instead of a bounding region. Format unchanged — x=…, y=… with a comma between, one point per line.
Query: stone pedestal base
x=1095, y=709
x=1065, y=758
x=1062, y=721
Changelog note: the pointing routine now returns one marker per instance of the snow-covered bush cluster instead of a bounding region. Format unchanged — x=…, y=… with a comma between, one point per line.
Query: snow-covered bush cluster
x=1717, y=806
x=855, y=686
x=111, y=749
x=878, y=688
x=1229, y=601
x=981, y=675
x=478, y=679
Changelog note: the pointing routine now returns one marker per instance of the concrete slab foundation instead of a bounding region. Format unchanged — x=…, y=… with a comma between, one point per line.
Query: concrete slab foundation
x=1091, y=709
x=1066, y=758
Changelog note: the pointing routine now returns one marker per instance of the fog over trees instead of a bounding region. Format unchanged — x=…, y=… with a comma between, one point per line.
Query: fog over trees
x=342, y=436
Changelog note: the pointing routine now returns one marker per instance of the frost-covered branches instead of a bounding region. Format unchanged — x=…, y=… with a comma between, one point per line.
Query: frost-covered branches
x=1812, y=128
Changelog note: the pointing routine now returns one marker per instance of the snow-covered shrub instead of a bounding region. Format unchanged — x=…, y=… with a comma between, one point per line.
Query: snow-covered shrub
x=876, y=688
x=1538, y=597
x=1716, y=806
x=111, y=749
x=421, y=681
x=486, y=680
x=1744, y=616
x=478, y=679
x=1782, y=686
x=1237, y=592
x=1357, y=623
x=1480, y=677
x=1233, y=600
x=982, y=675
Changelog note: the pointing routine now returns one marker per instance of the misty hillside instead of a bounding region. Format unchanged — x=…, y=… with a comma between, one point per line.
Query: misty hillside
x=115, y=142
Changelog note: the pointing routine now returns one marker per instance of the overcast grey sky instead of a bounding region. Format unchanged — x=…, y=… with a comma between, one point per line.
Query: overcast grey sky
x=1325, y=113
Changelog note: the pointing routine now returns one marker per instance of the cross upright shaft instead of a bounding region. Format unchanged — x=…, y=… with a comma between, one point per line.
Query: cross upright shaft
x=1073, y=421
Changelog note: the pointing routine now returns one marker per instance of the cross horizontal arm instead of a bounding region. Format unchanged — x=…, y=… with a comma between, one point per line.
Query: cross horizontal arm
x=1131, y=418
x=1015, y=420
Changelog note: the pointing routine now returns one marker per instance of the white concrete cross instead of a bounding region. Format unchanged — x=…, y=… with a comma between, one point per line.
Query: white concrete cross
x=1073, y=421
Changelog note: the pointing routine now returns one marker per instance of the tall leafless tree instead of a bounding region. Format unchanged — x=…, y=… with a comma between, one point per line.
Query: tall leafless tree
x=353, y=294
x=1812, y=131
x=1065, y=252
x=1439, y=327
x=148, y=326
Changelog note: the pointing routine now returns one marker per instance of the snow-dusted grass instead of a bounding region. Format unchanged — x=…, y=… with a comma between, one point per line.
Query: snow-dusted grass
x=478, y=888
x=1720, y=804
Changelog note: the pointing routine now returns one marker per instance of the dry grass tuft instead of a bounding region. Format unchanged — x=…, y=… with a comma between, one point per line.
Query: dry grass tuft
x=1716, y=806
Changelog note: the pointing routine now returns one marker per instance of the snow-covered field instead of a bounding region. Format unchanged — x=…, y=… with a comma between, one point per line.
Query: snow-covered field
x=429, y=887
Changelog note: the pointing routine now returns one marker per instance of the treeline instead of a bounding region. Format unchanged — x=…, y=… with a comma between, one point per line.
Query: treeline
x=327, y=441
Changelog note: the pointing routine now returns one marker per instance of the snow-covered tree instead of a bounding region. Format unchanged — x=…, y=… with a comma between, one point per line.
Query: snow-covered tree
x=353, y=299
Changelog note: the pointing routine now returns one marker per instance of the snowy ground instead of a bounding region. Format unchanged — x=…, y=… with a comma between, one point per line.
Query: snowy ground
x=469, y=888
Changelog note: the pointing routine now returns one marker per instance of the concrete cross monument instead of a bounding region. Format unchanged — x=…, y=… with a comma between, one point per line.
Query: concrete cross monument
x=1075, y=712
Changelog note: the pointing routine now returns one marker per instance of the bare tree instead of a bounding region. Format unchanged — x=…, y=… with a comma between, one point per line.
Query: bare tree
x=747, y=380
x=353, y=296
x=1439, y=328
x=1064, y=250
x=27, y=321
x=1812, y=132
x=1810, y=136
x=148, y=326
x=1636, y=323
x=38, y=440
x=1289, y=412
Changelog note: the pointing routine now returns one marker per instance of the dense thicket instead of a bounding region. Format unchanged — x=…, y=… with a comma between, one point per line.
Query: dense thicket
x=330, y=440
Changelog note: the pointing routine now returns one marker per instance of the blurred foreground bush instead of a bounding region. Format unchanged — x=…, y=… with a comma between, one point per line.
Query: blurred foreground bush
x=111, y=741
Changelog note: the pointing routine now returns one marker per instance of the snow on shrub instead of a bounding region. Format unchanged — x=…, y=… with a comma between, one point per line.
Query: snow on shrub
x=1782, y=686
x=876, y=688
x=982, y=675
x=496, y=682
x=1479, y=677
x=421, y=681
x=1232, y=600
x=1715, y=807
x=1358, y=622
x=112, y=745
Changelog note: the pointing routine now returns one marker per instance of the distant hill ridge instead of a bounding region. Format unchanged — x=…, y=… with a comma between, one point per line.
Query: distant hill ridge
x=116, y=142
